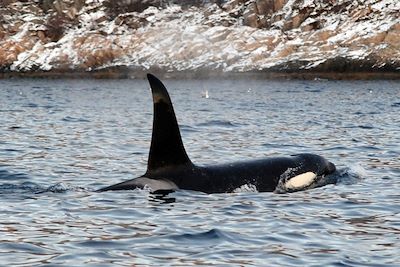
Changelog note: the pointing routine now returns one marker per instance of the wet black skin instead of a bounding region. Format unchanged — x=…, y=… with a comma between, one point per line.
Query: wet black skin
x=169, y=168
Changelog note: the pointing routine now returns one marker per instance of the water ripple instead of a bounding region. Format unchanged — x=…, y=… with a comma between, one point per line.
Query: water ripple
x=61, y=140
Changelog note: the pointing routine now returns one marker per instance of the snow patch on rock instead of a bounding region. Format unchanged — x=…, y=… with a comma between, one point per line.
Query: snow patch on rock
x=301, y=35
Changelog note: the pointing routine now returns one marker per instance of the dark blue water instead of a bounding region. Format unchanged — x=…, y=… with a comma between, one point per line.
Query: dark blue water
x=62, y=139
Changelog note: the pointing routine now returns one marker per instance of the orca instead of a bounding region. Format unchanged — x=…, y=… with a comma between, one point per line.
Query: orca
x=169, y=167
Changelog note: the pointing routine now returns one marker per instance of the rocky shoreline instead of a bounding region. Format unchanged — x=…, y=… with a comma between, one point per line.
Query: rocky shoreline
x=283, y=39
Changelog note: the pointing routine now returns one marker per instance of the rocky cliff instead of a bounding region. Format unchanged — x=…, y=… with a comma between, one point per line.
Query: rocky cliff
x=237, y=36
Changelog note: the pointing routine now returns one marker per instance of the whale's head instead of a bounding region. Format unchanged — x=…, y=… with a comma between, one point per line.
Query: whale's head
x=312, y=171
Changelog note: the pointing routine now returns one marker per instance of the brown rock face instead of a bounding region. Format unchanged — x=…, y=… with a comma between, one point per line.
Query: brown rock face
x=118, y=7
x=229, y=35
x=258, y=13
x=250, y=16
x=265, y=7
x=278, y=4
x=392, y=37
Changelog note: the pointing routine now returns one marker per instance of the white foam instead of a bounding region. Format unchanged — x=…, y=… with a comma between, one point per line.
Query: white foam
x=246, y=188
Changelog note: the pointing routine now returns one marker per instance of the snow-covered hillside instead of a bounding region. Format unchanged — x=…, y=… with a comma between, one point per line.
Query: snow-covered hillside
x=218, y=36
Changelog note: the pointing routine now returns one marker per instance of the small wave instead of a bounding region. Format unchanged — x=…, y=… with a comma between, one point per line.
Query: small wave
x=218, y=123
x=280, y=145
x=31, y=105
x=48, y=106
x=12, y=150
x=364, y=127
x=24, y=247
x=367, y=127
x=19, y=188
x=11, y=110
x=396, y=105
x=14, y=127
x=211, y=235
x=187, y=128
x=366, y=113
x=6, y=175
x=29, y=187
x=72, y=119
x=313, y=90
x=336, y=148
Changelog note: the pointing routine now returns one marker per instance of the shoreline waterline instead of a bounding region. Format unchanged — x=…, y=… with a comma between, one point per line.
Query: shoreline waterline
x=130, y=73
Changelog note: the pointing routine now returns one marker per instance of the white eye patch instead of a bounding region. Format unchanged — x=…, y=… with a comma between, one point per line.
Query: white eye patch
x=301, y=180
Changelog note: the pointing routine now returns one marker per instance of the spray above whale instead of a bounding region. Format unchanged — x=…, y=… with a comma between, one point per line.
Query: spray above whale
x=169, y=167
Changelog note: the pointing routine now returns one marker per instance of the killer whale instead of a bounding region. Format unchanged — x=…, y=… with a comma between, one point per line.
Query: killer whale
x=169, y=168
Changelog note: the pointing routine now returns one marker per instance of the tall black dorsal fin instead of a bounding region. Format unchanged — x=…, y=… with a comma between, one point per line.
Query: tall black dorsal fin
x=166, y=143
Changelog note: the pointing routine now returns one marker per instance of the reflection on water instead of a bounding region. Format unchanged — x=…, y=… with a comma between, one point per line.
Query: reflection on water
x=62, y=139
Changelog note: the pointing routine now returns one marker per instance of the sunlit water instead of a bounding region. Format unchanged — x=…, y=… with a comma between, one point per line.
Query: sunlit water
x=62, y=139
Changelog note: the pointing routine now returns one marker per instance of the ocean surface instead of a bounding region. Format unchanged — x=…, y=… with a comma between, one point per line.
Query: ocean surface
x=62, y=139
